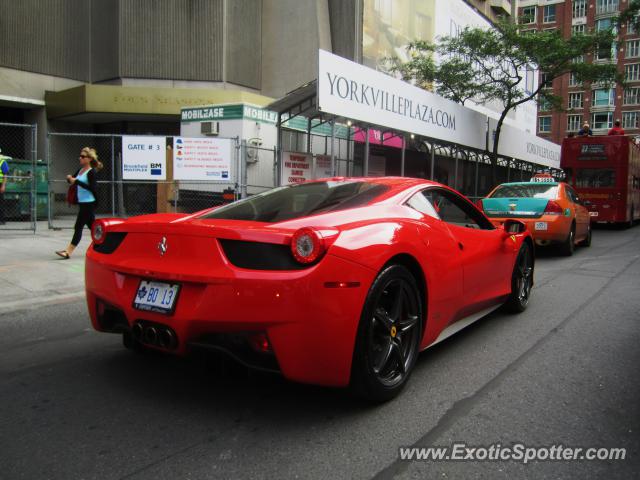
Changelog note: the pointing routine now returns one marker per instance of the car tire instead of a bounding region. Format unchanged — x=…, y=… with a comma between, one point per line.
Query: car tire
x=388, y=338
x=521, y=280
x=569, y=245
x=587, y=241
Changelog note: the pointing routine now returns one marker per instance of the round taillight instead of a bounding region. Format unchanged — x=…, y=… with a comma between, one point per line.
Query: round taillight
x=98, y=232
x=307, y=245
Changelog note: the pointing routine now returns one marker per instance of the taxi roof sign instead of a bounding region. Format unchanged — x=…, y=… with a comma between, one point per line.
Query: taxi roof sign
x=543, y=178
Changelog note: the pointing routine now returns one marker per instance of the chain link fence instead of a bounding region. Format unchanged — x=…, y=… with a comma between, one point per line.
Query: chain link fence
x=117, y=197
x=24, y=192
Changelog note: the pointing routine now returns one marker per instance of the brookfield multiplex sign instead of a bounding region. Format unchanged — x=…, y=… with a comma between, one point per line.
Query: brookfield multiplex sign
x=353, y=91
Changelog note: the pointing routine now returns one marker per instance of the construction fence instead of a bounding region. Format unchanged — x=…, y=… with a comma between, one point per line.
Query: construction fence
x=252, y=171
x=36, y=189
x=25, y=182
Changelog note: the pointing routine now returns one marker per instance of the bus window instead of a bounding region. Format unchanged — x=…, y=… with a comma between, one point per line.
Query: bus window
x=568, y=175
x=596, y=178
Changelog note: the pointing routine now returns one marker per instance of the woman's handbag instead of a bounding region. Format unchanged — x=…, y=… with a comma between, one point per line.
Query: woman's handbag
x=72, y=194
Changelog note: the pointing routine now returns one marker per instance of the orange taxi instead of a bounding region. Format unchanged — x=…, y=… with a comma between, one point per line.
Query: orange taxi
x=552, y=211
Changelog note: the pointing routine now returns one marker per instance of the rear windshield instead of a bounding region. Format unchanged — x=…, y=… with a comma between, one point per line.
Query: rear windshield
x=595, y=178
x=527, y=190
x=296, y=201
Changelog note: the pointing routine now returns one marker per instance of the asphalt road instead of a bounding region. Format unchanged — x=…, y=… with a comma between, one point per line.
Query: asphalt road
x=75, y=404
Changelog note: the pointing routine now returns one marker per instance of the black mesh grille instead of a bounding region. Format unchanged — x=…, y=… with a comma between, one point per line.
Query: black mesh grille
x=260, y=256
x=111, y=242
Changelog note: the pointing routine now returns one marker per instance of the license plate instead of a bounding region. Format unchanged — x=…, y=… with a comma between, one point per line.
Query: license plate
x=540, y=226
x=593, y=214
x=157, y=297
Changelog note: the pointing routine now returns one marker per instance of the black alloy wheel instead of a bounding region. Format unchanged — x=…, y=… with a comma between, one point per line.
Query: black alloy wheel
x=388, y=335
x=521, y=280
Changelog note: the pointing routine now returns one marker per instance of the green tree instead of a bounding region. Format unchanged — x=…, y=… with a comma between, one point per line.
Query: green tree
x=489, y=65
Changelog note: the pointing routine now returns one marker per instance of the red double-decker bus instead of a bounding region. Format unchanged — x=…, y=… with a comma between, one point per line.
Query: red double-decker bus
x=605, y=171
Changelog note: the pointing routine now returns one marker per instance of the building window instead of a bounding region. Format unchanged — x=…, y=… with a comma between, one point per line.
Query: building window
x=573, y=122
x=602, y=120
x=632, y=72
x=544, y=104
x=529, y=14
x=573, y=80
x=544, y=124
x=630, y=119
x=633, y=49
x=576, y=100
x=544, y=78
x=579, y=8
x=606, y=6
x=632, y=96
x=606, y=51
x=578, y=29
x=549, y=14
x=604, y=24
x=604, y=97
x=631, y=27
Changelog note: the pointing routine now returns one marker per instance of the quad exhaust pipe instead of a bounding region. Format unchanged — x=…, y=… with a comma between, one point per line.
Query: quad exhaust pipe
x=155, y=334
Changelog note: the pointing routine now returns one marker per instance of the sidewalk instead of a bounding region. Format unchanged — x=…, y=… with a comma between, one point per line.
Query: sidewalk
x=31, y=275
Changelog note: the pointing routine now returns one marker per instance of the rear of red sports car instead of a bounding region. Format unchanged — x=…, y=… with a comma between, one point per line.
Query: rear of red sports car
x=249, y=279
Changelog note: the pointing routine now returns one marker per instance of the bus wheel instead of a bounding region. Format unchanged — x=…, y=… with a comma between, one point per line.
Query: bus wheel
x=567, y=247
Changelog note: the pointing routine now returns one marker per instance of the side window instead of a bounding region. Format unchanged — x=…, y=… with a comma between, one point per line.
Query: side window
x=420, y=203
x=453, y=209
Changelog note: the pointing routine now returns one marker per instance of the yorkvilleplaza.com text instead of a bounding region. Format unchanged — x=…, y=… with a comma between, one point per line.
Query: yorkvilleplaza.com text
x=516, y=452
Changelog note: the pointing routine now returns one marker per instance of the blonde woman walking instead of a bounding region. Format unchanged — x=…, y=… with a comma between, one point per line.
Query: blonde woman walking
x=85, y=181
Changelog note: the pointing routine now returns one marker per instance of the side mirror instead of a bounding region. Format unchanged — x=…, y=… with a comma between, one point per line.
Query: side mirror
x=514, y=227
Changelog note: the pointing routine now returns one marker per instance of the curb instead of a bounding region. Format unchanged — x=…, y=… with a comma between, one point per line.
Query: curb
x=52, y=299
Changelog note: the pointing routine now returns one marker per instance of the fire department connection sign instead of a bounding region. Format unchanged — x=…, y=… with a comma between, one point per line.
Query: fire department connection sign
x=143, y=158
x=299, y=167
x=296, y=167
x=202, y=158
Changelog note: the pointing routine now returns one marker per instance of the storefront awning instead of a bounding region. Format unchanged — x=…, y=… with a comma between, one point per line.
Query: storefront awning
x=97, y=103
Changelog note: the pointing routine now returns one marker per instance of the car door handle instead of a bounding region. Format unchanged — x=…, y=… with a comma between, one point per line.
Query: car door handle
x=460, y=246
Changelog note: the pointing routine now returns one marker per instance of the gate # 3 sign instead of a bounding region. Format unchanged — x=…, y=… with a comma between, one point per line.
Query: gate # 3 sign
x=143, y=158
x=202, y=159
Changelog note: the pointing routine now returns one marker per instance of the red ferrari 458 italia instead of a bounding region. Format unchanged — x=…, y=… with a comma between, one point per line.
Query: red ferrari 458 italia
x=336, y=282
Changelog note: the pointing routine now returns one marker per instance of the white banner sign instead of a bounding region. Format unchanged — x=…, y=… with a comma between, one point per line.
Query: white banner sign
x=322, y=167
x=202, y=158
x=144, y=158
x=296, y=167
x=521, y=145
x=353, y=91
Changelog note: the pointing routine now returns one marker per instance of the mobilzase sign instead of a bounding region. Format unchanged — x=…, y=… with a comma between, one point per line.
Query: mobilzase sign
x=352, y=91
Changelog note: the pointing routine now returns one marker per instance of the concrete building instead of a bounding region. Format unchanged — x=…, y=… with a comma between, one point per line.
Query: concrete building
x=592, y=103
x=129, y=66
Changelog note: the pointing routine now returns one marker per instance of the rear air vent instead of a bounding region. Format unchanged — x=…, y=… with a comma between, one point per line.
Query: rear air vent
x=259, y=256
x=111, y=242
